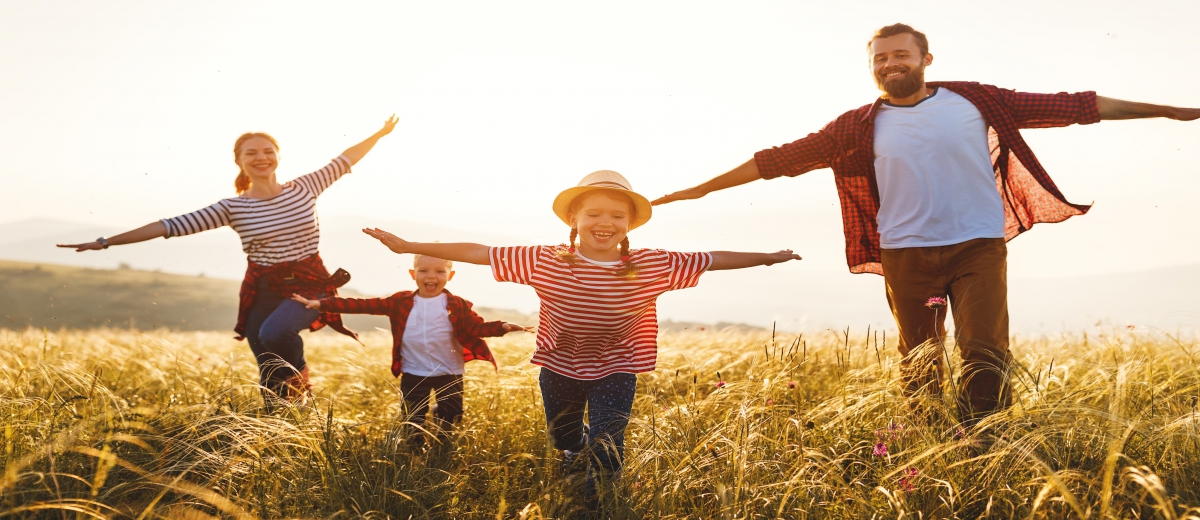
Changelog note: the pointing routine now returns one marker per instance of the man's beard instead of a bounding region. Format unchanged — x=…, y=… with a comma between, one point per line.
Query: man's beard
x=902, y=88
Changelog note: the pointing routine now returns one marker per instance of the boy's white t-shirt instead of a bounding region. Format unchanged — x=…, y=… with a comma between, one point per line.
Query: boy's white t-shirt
x=934, y=169
x=428, y=347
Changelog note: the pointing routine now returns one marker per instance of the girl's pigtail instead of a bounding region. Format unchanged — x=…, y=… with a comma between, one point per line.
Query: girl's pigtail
x=628, y=268
x=568, y=255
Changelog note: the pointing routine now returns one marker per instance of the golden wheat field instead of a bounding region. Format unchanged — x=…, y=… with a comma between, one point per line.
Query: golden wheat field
x=124, y=424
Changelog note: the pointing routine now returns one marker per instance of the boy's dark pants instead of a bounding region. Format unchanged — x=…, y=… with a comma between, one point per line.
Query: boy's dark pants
x=449, y=409
x=609, y=401
x=973, y=275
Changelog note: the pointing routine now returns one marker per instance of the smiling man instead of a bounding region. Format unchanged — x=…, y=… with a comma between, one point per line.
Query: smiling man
x=933, y=179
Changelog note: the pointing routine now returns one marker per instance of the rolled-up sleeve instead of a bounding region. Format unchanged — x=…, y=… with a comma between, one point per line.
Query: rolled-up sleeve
x=1052, y=110
x=514, y=264
x=686, y=268
x=797, y=157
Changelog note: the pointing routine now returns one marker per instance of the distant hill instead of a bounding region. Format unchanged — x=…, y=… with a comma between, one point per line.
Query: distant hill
x=793, y=295
x=56, y=296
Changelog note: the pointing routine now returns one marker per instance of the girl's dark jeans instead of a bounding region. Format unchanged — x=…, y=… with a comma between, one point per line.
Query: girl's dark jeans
x=609, y=401
x=273, y=328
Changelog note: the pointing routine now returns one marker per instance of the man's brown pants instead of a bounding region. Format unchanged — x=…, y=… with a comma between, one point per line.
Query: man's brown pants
x=973, y=275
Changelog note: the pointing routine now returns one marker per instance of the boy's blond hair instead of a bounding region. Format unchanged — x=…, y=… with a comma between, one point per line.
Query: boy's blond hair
x=417, y=258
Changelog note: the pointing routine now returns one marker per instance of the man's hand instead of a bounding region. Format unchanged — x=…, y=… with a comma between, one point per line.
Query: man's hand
x=688, y=194
x=311, y=304
x=513, y=327
x=1186, y=114
x=396, y=244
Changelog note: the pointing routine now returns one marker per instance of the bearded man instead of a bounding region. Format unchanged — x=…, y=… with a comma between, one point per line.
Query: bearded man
x=933, y=179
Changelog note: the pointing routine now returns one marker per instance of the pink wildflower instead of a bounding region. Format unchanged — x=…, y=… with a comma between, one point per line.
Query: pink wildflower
x=894, y=431
x=719, y=384
x=906, y=481
x=770, y=402
x=792, y=385
x=937, y=302
x=880, y=449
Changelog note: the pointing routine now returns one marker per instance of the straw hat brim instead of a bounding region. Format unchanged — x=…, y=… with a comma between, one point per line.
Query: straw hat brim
x=641, y=205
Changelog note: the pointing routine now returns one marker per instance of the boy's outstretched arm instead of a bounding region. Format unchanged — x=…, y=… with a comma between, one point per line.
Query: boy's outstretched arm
x=380, y=306
x=457, y=252
x=723, y=260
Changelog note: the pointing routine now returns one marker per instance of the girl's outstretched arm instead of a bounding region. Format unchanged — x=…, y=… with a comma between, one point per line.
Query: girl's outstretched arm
x=723, y=260
x=357, y=152
x=459, y=252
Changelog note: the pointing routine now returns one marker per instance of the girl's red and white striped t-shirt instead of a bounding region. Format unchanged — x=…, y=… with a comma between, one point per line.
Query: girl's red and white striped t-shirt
x=594, y=322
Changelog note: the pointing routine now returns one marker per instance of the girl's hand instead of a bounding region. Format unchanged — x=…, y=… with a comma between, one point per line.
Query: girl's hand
x=782, y=256
x=513, y=327
x=311, y=304
x=388, y=126
x=396, y=244
x=90, y=246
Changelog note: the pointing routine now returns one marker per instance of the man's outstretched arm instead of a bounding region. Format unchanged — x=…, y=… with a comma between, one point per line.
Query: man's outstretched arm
x=747, y=172
x=1120, y=109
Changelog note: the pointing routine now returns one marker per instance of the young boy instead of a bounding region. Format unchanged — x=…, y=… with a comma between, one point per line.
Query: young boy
x=434, y=333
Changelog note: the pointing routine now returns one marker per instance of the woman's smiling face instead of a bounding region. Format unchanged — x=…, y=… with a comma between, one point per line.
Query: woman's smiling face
x=602, y=220
x=258, y=157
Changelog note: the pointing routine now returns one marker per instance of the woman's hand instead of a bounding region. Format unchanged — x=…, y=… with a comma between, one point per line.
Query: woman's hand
x=396, y=244
x=357, y=152
x=513, y=327
x=782, y=256
x=388, y=126
x=90, y=246
x=311, y=304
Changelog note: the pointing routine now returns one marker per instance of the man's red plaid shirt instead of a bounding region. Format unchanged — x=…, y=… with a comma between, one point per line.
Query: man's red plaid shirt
x=847, y=146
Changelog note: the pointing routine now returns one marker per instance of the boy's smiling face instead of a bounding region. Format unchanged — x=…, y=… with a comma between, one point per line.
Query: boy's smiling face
x=431, y=275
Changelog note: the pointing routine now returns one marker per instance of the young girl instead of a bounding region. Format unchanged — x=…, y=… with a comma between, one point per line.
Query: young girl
x=597, y=326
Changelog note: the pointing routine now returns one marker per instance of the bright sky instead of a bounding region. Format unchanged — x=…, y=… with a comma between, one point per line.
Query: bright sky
x=125, y=112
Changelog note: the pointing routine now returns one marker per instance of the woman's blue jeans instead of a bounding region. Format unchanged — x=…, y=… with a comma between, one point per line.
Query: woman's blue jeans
x=273, y=328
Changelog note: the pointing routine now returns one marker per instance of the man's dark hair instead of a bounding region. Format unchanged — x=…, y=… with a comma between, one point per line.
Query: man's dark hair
x=899, y=28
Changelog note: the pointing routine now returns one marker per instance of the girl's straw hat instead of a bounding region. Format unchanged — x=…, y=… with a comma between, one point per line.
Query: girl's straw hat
x=606, y=180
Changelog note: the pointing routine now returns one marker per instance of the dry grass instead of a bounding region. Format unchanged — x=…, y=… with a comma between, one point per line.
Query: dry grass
x=124, y=424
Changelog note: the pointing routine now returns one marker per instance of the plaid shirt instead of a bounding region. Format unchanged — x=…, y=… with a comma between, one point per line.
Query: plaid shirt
x=307, y=277
x=847, y=146
x=469, y=327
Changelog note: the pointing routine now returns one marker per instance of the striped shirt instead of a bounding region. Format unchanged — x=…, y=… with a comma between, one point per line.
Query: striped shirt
x=282, y=228
x=593, y=322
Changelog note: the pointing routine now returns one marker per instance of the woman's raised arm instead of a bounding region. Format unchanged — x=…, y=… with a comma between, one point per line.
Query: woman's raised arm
x=458, y=252
x=149, y=231
x=357, y=152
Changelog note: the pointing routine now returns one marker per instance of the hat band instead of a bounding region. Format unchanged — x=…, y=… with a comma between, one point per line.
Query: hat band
x=607, y=184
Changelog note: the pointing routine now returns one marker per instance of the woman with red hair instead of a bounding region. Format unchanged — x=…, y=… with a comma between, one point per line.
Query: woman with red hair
x=277, y=223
